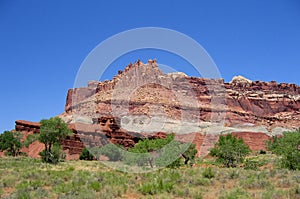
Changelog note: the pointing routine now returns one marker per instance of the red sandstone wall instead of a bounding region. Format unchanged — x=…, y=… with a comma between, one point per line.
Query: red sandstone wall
x=255, y=141
x=101, y=134
x=274, y=105
x=72, y=145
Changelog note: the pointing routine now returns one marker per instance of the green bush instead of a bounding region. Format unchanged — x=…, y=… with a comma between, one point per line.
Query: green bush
x=208, y=173
x=86, y=155
x=251, y=164
x=169, y=155
x=287, y=146
x=112, y=151
x=230, y=150
x=10, y=142
x=156, y=186
x=237, y=193
x=234, y=174
x=256, y=181
x=165, y=152
x=202, y=181
x=146, y=151
x=96, y=186
x=30, y=139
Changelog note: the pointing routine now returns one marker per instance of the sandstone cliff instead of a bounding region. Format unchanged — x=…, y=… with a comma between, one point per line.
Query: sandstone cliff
x=141, y=102
x=142, y=90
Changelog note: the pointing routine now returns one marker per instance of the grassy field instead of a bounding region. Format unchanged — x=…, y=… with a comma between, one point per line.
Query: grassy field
x=23, y=177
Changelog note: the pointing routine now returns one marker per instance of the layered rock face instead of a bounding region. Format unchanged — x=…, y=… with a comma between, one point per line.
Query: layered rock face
x=142, y=101
x=143, y=90
x=105, y=130
x=72, y=145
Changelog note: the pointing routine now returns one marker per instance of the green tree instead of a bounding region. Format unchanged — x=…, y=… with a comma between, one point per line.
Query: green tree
x=230, y=150
x=288, y=147
x=165, y=152
x=86, y=155
x=146, y=151
x=52, y=132
x=190, y=153
x=10, y=142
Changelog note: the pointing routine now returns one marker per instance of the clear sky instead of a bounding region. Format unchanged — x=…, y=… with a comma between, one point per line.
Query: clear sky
x=43, y=43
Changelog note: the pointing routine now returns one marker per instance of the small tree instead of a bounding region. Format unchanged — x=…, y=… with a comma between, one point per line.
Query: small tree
x=230, y=150
x=10, y=142
x=146, y=150
x=52, y=132
x=165, y=152
x=190, y=154
x=86, y=155
x=287, y=146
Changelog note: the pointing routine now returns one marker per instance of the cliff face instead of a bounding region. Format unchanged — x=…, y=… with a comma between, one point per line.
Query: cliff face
x=142, y=89
x=72, y=145
x=105, y=130
x=142, y=102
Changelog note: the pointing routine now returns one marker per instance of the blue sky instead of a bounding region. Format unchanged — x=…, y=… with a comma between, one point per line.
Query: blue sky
x=43, y=43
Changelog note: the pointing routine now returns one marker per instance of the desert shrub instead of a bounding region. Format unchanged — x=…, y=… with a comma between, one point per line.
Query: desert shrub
x=234, y=174
x=251, y=164
x=96, y=186
x=274, y=193
x=230, y=150
x=86, y=155
x=208, y=173
x=202, y=181
x=30, y=139
x=169, y=155
x=112, y=151
x=10, y=142
x=262, y=152
x=237, y=193
x=284, y=183
x=156, y=186
x=1, y=191
x=287, y=146
x=8, y=181
x=256, y=181
x=197, y=195
x=295, y=192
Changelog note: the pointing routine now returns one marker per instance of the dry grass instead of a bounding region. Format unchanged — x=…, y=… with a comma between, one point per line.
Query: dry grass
x=30, y=178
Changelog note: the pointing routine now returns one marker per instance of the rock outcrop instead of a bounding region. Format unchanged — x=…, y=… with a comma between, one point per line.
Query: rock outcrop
x=142, y=89
x=105, y=130
x=142, y=102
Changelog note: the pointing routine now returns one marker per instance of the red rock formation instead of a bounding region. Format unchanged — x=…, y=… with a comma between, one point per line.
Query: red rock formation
x=85, y=135
x=255, y=141
x=143, y=90
x=72, y=145
x=244, y=101
x=99, y=135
